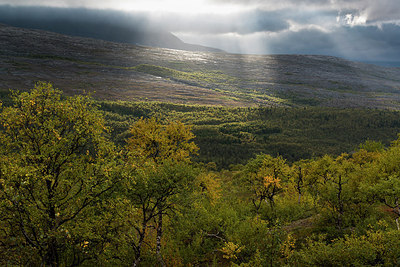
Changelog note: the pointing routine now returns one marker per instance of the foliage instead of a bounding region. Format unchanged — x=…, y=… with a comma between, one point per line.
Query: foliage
x=376, y=248
x=55, y=165
x=69, y=196
x=152, y=140
x=157, y=174
x=229, y=136
x=264, y=178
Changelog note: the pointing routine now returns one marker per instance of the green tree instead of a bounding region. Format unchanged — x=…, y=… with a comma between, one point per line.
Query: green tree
x=157, y=173
x=299, y=173
x=384, y=182
x=264, y=178
x=375, y=248
x=54, y=166
x=152, y=140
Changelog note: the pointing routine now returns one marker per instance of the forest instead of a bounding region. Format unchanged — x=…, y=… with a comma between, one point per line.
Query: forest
x=100, y=183
x=229, y=136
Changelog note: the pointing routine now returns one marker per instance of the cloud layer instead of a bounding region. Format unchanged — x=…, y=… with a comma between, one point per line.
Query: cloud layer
x=367, y=30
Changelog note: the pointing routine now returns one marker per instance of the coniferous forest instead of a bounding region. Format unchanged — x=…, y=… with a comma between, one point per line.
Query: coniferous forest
x=97, y=183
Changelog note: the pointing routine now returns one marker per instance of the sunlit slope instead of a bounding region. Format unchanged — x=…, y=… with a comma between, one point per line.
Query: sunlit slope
x=121, y=71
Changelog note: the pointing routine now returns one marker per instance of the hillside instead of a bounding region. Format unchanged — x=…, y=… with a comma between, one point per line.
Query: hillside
x=117, y=71
x=99, y=24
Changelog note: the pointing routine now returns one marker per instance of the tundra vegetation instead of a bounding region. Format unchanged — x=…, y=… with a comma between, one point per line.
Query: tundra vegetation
x=84, y=183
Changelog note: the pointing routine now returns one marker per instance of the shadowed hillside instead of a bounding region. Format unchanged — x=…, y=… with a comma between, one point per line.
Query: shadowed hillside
x=99, y=24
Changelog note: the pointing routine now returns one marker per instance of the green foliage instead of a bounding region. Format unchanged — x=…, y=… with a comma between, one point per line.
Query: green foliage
x=156, y=176
x=258, y=242
x=229, y=136
x=148, y=191
x=56, y=164
x=372, y=146
x=376, y=248
x=68, y=196
x=264, y=178
x=153, y=141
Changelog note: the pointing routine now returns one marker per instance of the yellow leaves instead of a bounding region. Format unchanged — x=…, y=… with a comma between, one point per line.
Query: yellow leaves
x=56, y=134
x=231, y=250
x=67, y=233
x=107, y=170
x=211, y=185
x=152, y=140
x=269, y=181
x=288, y=246
x=363, y=156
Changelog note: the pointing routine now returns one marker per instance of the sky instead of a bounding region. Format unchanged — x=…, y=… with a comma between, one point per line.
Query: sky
x=363, y=30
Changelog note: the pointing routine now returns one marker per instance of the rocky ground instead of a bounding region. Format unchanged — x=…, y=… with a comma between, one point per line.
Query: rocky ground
x=128, y=72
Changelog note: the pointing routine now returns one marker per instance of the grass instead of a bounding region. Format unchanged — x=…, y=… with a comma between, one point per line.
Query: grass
x=201, y=78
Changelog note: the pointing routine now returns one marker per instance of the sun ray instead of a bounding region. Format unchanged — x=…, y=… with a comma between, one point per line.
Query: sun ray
x=178, y=6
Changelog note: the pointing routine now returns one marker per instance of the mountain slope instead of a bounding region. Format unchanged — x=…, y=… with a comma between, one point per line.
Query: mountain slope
x=105, y=25
x=130, y=72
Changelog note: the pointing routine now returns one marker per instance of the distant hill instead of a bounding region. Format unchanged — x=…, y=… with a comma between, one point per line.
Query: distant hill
x=129, y=72
x=100, y=24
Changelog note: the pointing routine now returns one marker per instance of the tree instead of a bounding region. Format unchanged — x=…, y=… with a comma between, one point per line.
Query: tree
x=299, y=169
x=384, y=184
x=157, y=173
x=316, y=175
x=152, y=140
x=336, y=194
x=264, y=177
x=54, y=166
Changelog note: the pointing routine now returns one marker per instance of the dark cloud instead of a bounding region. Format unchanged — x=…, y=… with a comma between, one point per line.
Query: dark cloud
x=307, y=41
x=44, y=17
x=370, y=42
x=101, y=24
x=361, y=43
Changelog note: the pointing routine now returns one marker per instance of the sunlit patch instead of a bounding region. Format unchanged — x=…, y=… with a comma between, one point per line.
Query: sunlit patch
x=352, y=20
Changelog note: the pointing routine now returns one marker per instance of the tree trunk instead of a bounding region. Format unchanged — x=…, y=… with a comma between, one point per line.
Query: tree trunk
x=158, y=240
x=340, y=203
x=396, y=211
x=51, y=256
x=138, y=249
x=257, y=206
x=299, y=184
